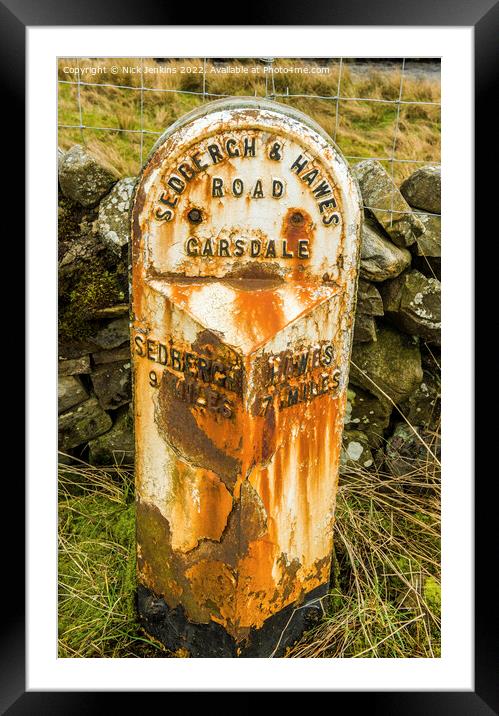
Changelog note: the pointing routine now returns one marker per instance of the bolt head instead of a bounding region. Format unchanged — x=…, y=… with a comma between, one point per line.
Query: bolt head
x=195, y=216
x=297, y=218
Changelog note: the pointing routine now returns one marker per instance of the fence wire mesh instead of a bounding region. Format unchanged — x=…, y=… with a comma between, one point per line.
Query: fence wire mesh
x=387, y=110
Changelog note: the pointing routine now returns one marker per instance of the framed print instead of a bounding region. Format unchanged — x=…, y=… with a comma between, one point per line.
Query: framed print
x=117, y=105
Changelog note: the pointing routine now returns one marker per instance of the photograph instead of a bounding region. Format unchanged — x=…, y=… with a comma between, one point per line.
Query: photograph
x=249, y=357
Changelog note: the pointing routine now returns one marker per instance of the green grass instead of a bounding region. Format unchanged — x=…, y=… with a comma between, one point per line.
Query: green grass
x=97, y=615
x=386, y=593
x=365, y=129
x=385, y=598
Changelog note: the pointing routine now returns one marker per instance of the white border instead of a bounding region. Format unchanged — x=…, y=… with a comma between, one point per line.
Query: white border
x=454, y=670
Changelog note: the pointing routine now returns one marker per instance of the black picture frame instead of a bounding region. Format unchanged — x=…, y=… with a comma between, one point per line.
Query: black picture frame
x=15, y=17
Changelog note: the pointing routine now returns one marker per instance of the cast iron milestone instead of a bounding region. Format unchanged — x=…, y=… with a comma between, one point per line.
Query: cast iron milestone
x=246, y=232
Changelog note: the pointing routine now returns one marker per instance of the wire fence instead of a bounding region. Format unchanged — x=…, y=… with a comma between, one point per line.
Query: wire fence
x=406, y=116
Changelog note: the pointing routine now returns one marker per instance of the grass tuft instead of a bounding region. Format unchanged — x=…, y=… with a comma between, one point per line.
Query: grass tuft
x=385, y=601
x=97, y=616
x=385, y=596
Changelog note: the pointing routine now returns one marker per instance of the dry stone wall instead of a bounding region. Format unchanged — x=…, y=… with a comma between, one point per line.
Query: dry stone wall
x=396, y=351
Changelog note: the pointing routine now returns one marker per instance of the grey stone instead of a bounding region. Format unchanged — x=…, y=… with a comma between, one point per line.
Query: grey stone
x=412, y=301
x=422, y=407
x=70, y=350
x=380, y=259
x=390, y=367
x=116, y=447
x=408, y=453
x=429, y=243
x=423, y=188
x=355, y=450
x=113, y=224
x=70, y=392
x=364, y=328
x=67, y=223
x=113, y=334
x=81, y=250
x=91, y=278
x=122, y=353
x=73, y=222
x=369, y=299
x=367, y=413
x=387, y=204
x=82, y=423
x=82, y=178
x=75, y=366
x=113, y=384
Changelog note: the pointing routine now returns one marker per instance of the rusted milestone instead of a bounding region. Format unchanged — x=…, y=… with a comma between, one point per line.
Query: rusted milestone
x=246, y=227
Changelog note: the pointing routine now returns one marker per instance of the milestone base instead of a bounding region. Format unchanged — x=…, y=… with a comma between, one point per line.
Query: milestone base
x=278, y=632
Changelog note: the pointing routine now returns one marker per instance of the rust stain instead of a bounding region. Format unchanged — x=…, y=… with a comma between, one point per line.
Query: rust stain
x=180, y=429
x=224, y=434
x=235, y=503
x=201, y=507
x=303, y=466
x=255, y=582
x=259, y=313
x=297, y=226
x=213, y=585
x=280, y=453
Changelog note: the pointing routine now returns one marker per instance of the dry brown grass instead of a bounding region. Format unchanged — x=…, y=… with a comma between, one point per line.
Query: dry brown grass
x=385, y=596
x=365, y=129
x=386, y=592
x=97, y=565
x=385, y=600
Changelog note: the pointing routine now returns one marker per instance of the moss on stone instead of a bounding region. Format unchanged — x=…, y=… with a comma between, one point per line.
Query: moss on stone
x=69, y=217
x=96, y=287
x=389, y=368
